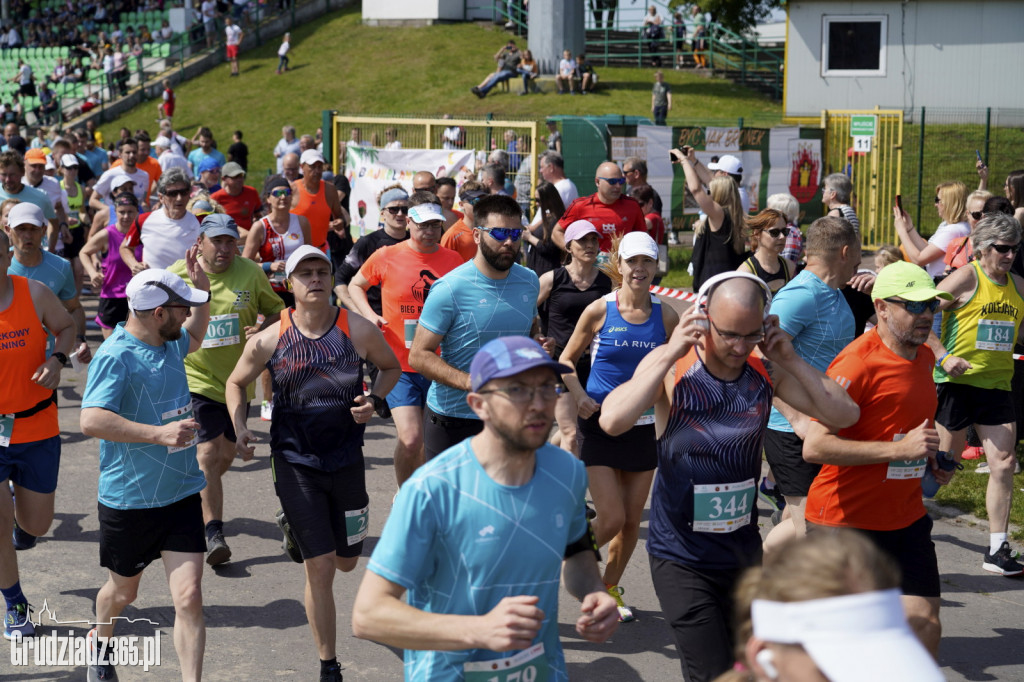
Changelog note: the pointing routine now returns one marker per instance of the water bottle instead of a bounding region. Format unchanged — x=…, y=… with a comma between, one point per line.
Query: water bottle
x=930, y=486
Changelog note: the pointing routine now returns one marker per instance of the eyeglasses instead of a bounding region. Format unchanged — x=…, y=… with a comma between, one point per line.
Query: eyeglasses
x=733, y=338
x=281, y=193
x=916, y=307
x=1006, y=248
x=395, y=210
x=777, y=232
x=431, y=225
x=523, y=395
x=179, y=307
x=503, y=233
x=977, y=215
x=176, y=193
x=614, y=181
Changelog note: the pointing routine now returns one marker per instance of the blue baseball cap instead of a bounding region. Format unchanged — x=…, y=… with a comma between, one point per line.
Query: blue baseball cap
x=508, y=356
x=208, y=164
x=219, y=224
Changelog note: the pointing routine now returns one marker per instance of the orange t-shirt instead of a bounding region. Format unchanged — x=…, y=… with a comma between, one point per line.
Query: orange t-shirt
x=459, y=238
x=405, y=277
x=958, y=252
x=152, y=168
x=895, y=396
x=22, y=351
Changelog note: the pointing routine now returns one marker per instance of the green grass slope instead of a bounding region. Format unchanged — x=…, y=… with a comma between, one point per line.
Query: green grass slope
x=337, y=63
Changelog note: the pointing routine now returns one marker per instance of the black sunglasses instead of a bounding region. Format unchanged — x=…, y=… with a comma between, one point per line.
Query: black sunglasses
x=175, y=193
x=916, y=307
x=977, y=215
x=1006, y=248
x=776, y=232
x=395, y=210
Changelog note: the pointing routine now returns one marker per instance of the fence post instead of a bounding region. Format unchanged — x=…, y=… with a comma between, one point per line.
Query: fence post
x=920, y=169
x=739, y=123
x=988, y=130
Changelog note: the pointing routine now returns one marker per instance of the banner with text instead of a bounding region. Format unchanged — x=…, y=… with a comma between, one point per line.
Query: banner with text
x=370, y=170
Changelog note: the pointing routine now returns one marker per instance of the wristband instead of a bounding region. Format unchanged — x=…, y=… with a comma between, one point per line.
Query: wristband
x=266, y=267
x=943, y=359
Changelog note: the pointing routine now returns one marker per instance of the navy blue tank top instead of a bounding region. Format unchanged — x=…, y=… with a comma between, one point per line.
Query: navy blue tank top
x=620, y=346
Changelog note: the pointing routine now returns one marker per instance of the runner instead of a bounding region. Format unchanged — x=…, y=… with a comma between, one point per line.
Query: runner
x=480, y=603
x=314, y=354
x=711, y=403
x=406, y=272
x=29, y=433
x=75, y=207
x=974, y=369
x=459, y=237
x=317, y=200
x=108, y=274
x=137, y=403
x=36, y=178
x=871, y=471
x=620, y=328
x=564, y=294
x=239, y=293
x=608, y=209
x=488, y=297
x=166, y=233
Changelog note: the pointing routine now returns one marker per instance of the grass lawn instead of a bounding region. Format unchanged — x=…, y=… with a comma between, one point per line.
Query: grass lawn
x=967, y=492
x=339, y=64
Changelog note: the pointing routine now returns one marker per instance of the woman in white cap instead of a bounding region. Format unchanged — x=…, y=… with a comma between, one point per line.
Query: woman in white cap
x=620, y=328
x=567, y=291
x=826, y=609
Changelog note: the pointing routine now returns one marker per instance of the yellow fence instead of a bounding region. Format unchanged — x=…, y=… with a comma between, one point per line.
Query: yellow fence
x=875, y=173
x=429, y=133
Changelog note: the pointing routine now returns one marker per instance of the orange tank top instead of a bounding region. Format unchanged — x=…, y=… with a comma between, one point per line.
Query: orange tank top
x=22, y=351
x=317, y=212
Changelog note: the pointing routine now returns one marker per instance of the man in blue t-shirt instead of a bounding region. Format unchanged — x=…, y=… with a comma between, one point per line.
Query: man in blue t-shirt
x=815, y=315
x=479, y=535
x=486, y=298
x=137, y=403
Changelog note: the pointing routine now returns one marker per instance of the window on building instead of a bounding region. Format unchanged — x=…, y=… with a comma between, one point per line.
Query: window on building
x=853, y=45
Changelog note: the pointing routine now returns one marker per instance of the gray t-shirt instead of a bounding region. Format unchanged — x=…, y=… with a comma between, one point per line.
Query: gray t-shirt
x=660, y=92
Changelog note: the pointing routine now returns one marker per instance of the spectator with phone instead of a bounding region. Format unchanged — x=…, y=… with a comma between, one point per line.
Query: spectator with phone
x=951, y=205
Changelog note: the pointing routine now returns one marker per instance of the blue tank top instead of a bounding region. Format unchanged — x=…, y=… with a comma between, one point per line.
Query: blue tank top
x=315, y=384
x=703, y=504
x=620, y=346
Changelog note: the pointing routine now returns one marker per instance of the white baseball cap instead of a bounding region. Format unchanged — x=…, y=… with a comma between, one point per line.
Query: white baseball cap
x=300, y=254
x=638, y=244
x=728, y=163
x=69, y=160
x=120, y=180
x=162, y=141
x=424, y=213
x=311, y=156
x=50, y=165
x=155, y=287
x=26, y=213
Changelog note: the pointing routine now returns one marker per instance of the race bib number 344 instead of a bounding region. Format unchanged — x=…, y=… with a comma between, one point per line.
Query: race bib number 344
x=723, y=507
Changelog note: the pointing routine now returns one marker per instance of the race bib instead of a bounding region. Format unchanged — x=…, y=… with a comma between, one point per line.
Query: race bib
x=410, y=332
x=904, y=470
x=723, y=507
x=6, y=429
x=528, y=665
x=995, y=335
x=646, y=418
x=356, y=523
x=223, y=330
x=176, y=416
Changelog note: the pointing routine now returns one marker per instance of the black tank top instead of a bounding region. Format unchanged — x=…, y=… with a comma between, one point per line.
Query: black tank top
x=713, y=253
x=566, y=303
x=767, y=277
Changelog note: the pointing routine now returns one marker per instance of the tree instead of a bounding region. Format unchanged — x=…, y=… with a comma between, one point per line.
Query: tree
x=738, y=16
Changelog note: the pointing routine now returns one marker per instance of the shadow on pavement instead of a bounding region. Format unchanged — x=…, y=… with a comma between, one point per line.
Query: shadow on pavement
x=984, y=652
x=607, y=668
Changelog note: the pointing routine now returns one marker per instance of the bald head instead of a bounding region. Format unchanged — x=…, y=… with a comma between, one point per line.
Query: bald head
x=424, y=180
x=609, y=192
x=740, y=296
x=608, y=169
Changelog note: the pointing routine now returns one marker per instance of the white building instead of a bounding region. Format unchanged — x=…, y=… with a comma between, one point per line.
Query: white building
x=903, y=55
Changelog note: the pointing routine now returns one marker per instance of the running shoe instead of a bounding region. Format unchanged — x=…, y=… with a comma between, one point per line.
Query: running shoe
x=591, y=513
x=973, y=452
x=217, y=550
x=983, y=468
x=290, y=547
x=18, y=621
x=22, y=539
x=99, y=671
x=1002, y=562
x=625, y=613
x=773, y=498
x=266, y=410
x=332, y=674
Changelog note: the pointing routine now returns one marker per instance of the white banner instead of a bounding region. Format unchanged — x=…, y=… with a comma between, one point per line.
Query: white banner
x=370, y=170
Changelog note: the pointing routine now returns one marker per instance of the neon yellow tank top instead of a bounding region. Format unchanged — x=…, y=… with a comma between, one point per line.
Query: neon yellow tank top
x=983, y=332
x=75, y=204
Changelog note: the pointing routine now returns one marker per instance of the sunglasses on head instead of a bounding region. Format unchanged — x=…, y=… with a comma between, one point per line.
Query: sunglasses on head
x=916, y=307
x=281, y=192
x=395, y=210
x=1006, y=248
x=776, y=232
x=503, y=233
x=614, y=181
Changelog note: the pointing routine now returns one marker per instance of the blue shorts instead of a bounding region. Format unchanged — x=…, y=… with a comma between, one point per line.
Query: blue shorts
x=411, y=390
x=33, y=465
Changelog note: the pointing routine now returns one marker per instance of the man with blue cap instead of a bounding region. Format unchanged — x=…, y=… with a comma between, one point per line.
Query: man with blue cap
x=239, y=293
x=479, y=534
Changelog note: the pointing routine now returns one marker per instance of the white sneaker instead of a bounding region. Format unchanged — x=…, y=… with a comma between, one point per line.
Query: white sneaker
x=983, y=468
x=266, y=410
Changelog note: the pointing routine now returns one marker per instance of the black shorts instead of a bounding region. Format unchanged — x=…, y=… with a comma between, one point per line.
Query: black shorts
x=961, y=405
x=634, y=450
x=213, y=418
x=327, y=510
x=111, y=311
x=441, y=432
x=785, y=454
x=77, y=242
x=913, y=551
x=130, y=539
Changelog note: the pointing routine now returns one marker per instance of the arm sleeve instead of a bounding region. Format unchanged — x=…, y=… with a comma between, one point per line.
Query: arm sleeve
x=439, y=309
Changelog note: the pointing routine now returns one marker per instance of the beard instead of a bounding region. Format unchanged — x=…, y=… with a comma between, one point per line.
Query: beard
x=170, y=331
x=496, y=259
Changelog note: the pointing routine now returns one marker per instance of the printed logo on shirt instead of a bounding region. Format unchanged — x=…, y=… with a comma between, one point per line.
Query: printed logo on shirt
x=421, y=288
x=242, y=298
